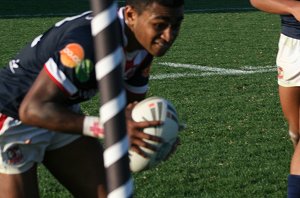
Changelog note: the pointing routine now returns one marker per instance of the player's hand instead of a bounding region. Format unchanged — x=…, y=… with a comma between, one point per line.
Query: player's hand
x=136, y=134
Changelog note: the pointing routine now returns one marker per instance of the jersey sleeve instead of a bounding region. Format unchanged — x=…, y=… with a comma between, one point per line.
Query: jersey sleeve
x=71, y=66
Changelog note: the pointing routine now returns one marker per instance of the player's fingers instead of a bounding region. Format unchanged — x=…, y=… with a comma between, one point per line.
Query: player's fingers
x=138, y=151
x=146, y=124
x=130, y=106
x=140, y=143
x=128, y=111
x=146, y=136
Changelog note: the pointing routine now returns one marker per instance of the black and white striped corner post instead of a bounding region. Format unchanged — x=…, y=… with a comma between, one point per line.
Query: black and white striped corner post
x=109, y=55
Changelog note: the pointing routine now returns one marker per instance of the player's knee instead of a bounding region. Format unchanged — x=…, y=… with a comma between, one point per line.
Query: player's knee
x=294, y=137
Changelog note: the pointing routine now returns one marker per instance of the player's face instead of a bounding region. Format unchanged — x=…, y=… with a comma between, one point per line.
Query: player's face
x=156, y=28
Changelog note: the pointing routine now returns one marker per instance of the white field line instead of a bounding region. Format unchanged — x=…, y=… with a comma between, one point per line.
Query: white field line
x=210, y=71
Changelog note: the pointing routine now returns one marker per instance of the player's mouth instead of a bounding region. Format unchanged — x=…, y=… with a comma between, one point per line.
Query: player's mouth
x=160, y=47
x=163, y=45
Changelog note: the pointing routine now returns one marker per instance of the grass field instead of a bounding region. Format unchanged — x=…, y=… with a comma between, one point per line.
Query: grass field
x=221, y=77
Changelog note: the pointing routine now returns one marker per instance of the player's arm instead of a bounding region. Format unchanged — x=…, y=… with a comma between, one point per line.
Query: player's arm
x=136, y=89
x=278, y=6
x=46, y=106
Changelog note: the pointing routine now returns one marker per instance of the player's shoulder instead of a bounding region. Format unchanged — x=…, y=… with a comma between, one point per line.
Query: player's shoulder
x=74, y=29
x=74, y=25
x=76, y=20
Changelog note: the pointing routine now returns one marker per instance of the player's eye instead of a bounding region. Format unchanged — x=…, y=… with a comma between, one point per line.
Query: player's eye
x=160, y=26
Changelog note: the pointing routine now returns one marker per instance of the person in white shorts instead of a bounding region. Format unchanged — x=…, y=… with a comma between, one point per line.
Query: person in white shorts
x=43, y=85
x=288, y=65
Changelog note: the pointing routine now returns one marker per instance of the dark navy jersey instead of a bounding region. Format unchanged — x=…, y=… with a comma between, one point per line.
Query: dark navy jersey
x=66, y=52
x=290, y=26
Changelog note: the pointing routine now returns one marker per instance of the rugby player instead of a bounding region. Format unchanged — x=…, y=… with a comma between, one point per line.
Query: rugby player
x=42, y=87
x=288, y=65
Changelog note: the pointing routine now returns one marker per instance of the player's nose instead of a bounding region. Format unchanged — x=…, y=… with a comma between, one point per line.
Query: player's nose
x=169, y=34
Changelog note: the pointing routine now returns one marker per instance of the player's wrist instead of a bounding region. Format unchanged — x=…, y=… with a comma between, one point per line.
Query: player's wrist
x=92, y=127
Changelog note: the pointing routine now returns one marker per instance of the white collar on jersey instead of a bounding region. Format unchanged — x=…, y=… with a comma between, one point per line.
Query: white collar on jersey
x=122, y=20
x=129, y=55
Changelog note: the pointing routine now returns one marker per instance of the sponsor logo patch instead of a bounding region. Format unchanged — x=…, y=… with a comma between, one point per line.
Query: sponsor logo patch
x=83, y=70
x=72, y=55
x=2, y=120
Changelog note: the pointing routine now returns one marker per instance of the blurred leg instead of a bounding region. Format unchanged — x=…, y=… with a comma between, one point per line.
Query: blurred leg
x=22, y=185
x=290, y=103
x=79, y=167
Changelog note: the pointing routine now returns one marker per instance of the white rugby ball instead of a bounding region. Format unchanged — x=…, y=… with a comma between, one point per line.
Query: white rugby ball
x=155, y=108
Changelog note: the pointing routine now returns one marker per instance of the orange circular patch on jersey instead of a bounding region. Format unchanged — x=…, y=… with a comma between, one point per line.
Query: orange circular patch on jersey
x=72, y=55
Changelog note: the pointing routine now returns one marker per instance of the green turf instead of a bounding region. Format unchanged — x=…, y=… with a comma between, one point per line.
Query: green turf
x=236, y=142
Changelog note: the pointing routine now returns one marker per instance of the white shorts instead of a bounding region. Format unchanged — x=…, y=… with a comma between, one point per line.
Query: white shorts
x=21, y=146
x=288, y=61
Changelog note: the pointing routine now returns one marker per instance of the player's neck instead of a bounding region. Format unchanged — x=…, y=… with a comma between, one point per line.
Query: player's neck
x=132, y=43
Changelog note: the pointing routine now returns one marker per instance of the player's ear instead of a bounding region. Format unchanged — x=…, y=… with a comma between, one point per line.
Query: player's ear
x=130, y=15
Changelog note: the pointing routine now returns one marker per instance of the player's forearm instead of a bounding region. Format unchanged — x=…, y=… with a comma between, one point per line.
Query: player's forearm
x=276, y=6
x=58, y=118
x=53, y=117
x=64, y=120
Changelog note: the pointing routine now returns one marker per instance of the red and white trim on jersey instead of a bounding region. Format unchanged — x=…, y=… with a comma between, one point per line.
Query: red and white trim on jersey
x=6, y=122
x=2, y=120
x=59, y=78
x=140, y=57
x=135, y=89
x=133, y=60
x=122, y=20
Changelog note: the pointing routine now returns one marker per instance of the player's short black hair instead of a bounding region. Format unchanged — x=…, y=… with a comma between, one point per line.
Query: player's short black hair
x=140, y=5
